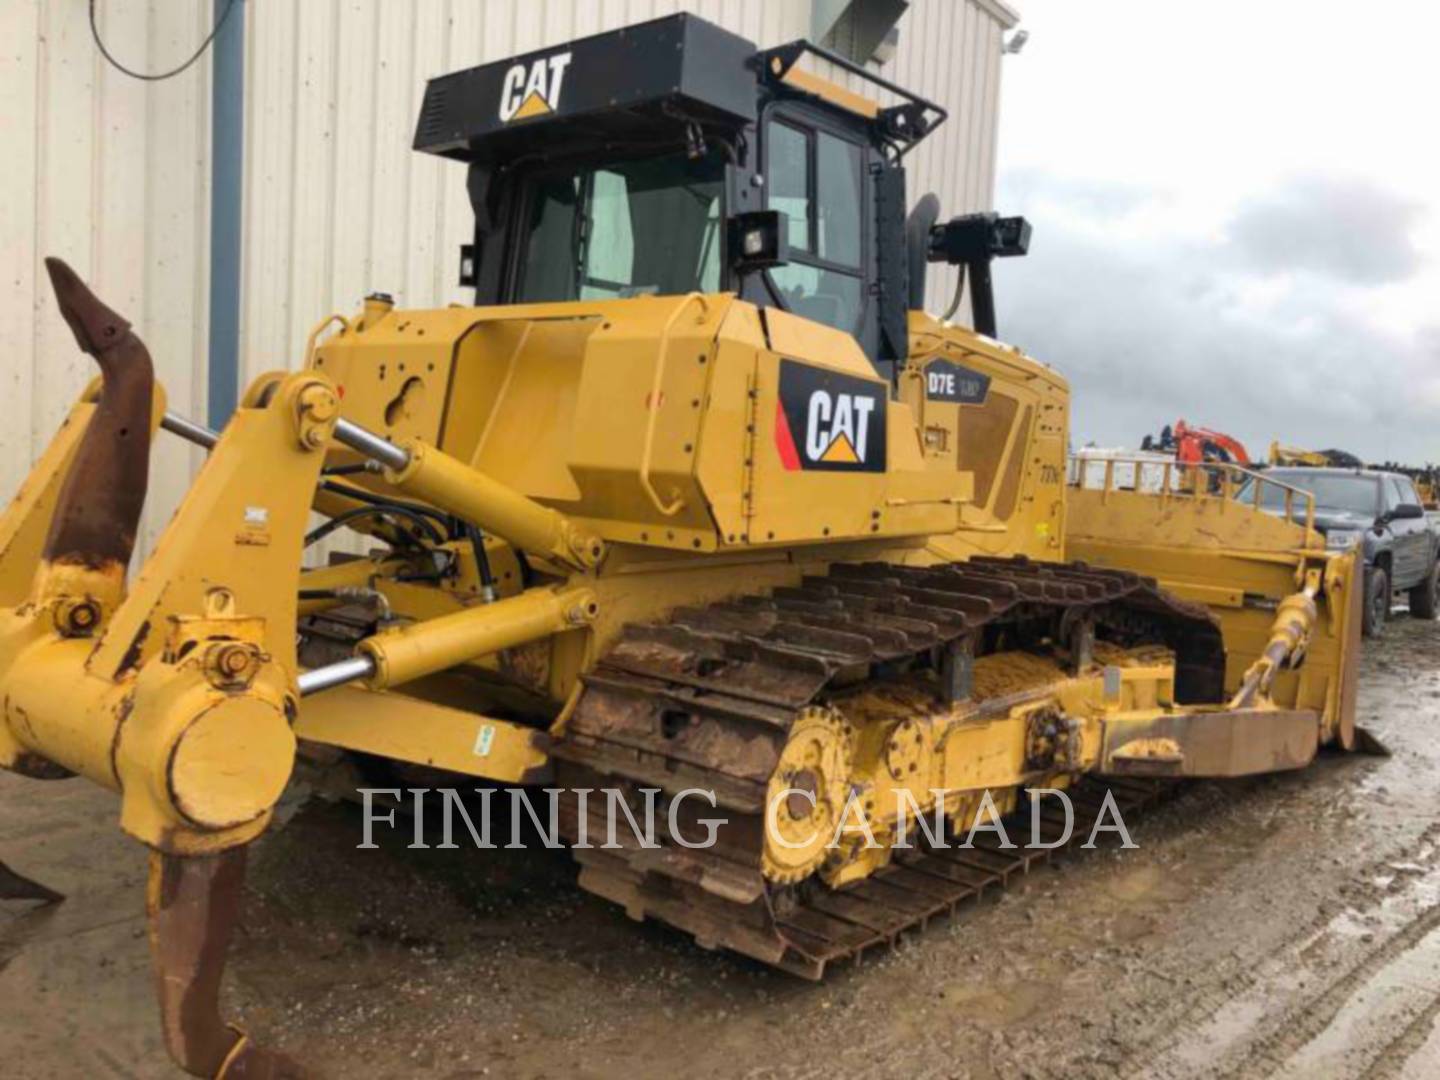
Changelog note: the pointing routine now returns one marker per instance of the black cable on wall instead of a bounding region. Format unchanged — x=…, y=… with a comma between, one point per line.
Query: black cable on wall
x=161, y=76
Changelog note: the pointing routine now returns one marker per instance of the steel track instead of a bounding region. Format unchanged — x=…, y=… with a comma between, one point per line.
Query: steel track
x=706, y=701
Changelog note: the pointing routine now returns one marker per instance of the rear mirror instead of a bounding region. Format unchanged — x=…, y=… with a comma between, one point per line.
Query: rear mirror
x=759, y=240
x=1402, y=512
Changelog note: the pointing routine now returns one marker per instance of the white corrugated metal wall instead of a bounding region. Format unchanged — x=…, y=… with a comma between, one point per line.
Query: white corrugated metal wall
x=113, y=174
x=340, y=205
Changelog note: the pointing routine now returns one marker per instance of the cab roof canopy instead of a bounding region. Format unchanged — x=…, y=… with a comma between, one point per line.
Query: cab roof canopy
x=655, y=83
x=641, y=84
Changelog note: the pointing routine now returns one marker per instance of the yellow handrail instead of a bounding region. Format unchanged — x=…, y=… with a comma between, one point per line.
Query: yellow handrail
x=314, y=339
x=653, y=403
x=1232, y=477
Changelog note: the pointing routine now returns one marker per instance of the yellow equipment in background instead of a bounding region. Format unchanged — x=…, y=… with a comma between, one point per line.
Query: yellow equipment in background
x=1320, y=459
x=1426, y=478
x=1294, y=455
x=694, y=498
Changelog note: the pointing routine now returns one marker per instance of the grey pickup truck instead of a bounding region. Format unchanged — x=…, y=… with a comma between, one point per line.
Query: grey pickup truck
x=1381, y=512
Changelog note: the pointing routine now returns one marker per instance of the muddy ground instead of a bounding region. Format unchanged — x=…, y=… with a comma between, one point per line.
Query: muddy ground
x=1288, y=926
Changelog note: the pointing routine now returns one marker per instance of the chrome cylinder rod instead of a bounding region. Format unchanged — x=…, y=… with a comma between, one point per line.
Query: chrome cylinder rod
x=371, y=445
x=198, y=434
x=337, y=674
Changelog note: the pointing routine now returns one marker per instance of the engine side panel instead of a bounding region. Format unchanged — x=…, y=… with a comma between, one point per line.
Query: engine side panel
x=988, y=410
x=691, y=423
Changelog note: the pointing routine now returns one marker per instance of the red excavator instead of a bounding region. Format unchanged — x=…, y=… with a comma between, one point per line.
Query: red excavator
x=1196, y=446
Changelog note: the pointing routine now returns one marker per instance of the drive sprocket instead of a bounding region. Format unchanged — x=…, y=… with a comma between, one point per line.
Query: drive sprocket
x=806, y=796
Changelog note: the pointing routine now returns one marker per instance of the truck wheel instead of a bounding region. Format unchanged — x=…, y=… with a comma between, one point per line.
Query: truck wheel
x=1377, y=602
x=1425, y=597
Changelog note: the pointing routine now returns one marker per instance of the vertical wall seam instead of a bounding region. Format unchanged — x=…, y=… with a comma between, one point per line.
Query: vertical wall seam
x=962, y=93
x=996, y=38
x=986, y=63
x=332, y=212
x=204, y=258
x=407, y=178
x=370, y=196
x=247, y=196
x=41, y=205
x=287, y=322
x=97, y=143
x=202, y=244
x=441, y=173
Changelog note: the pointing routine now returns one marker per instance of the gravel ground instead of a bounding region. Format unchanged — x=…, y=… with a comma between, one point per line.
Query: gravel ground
x=1287, y=926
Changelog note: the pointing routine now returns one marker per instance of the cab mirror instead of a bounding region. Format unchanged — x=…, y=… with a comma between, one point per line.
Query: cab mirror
x=1407, y=512
x=758, y=240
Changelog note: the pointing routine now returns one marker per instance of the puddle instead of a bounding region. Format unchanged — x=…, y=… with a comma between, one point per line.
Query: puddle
x=1146, y=883
x=1002, y=1006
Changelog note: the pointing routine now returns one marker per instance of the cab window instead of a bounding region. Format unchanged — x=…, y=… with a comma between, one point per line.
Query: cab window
x=837, y=184
x=789, y=181
x=816, y=178
x=627, y=229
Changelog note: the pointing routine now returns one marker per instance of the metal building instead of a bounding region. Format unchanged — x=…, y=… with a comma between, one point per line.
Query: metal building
x=115, y=174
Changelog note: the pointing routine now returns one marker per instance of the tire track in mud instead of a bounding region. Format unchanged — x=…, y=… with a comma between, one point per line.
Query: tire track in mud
x=1200, y=1002
x=1394, y=1059
x=1317, y=1037
x=1252, y=1022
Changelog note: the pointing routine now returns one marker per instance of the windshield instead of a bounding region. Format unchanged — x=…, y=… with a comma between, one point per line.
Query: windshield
x=634, y=228
x=1355, y=494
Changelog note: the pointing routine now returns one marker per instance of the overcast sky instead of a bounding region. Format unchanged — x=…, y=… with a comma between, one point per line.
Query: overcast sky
x=1237, y=218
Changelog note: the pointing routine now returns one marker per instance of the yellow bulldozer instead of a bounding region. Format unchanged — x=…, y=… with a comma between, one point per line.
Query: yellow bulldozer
x=1289, y=456
x=694, y=497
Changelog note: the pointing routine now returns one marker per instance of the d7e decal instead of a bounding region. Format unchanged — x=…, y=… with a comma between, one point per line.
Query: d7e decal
x=945, y=381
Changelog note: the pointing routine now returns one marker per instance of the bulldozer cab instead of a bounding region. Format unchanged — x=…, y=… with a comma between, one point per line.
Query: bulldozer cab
x=673, y=157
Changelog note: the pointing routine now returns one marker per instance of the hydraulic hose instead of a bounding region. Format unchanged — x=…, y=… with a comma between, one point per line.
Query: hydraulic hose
x=417, y=519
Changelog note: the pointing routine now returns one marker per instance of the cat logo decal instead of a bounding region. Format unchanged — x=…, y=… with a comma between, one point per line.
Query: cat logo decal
x=829, y=422
x=533, y=89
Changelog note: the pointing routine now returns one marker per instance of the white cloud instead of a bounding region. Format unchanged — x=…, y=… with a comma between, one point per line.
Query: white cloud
x=1236, y=219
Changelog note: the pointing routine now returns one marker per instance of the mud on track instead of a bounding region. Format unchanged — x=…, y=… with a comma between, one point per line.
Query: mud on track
x=1286, y=926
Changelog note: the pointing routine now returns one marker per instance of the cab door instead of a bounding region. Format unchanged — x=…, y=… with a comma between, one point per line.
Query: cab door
x=1412, y=536
x=817, y=172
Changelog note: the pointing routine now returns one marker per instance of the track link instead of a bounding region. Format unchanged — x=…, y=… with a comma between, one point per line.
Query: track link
x=707, y=700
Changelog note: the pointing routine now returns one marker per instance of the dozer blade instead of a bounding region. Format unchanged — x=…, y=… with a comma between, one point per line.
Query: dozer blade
x=1289, y=609
x=1367, y=742
x=193, y=903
